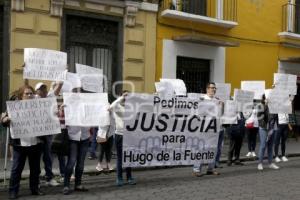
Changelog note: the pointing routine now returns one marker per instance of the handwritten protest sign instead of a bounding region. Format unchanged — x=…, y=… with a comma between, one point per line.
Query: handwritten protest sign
x=244, y=98
x=44, y=64
x=91, y=78
x=35, y=117
x=279, y=102
x=230, y=112
x=223, y=91
x=72, y=81
x=286, y=82
x=258, y=87
x=164, y=89
x=176, y=131
x=177, y=85
x=86, y=109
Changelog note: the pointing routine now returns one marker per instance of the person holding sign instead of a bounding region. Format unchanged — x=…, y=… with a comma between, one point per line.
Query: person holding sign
x=42, y=92
x=268, y=124
x=23, y=148
x=118, y=109
x=210, y=95
x=78, y=148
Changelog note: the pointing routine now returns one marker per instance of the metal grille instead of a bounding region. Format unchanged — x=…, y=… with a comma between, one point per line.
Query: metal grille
x=92, y=42
x=194, y=72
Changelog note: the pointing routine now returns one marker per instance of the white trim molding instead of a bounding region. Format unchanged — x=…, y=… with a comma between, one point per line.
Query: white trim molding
x=289, y=35
x=172, y=49
x=18, y=5
x=57, y=8
x=175, y=14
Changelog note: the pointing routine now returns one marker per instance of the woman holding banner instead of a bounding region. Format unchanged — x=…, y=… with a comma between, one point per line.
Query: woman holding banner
x=23, y=148
x=268, y=124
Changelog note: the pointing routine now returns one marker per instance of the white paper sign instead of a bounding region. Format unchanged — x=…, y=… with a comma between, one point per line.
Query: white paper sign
x=164, y=89
x=244, y=98
x=286, y=82
x=223, y=91
x=35, y=117
x=91, y=78
x=177, y=84
x=86, y=109
x=230, y=112
x=177, y=131
x=258, y=87
x=72, y=81
x=44, y=64
x=279, y=102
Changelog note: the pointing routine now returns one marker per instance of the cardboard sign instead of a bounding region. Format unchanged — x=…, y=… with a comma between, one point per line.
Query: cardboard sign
x=35, y=117
x=258, y=87
x=44, y=64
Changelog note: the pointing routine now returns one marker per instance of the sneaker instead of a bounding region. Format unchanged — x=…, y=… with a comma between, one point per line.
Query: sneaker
x=99, y=168
x=52, y=182
x=110, y=167
x=92, y=157
x=119, y=182
x=197, y=174
x=249, y=154
x=260, y=167
x=72, y=178
x=284, y=159
x=213, y=172
x=80, y=188
x=131, y=181
x=61, y=179
x=277, y=159
x=66, y=191
x=253, y=154
x=273, y=166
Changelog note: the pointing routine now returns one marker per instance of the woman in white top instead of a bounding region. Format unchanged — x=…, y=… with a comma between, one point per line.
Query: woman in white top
x=23, y=148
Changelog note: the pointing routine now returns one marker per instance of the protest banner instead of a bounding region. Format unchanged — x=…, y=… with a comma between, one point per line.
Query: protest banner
x=72, y=81
x=177, y=85
x=286, y=82
x=223, y=91
x=86, y=109
x=34, y=117
x=244, y=99
x=258, y=87
x=44, y=64
x=279, y=102
x=230, y=112
x=91, y=78
x=174, y=131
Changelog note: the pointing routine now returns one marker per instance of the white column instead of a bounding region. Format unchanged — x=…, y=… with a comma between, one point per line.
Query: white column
x=219, y=9
x=291, y=16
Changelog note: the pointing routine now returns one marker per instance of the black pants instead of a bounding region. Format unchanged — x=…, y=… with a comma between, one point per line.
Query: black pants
x=251, y=133
x=235, y=145
x=281, y=136
x=19, y=158
x=106, y=149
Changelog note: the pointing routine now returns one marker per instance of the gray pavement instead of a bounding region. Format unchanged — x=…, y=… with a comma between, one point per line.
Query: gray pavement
x=234, y=183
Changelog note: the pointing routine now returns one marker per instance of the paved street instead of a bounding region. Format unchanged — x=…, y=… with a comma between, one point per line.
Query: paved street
x=236, y=182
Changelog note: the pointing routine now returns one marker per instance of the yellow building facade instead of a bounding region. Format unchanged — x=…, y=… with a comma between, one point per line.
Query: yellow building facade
x=240, y=40
x=118, y=36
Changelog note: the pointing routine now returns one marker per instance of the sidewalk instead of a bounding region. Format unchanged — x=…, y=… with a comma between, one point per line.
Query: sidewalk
x=292, y=150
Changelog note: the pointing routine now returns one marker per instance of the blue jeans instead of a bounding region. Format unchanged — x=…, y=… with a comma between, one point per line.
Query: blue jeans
x=62, y=164
x=77, y=154
x=119, y=147
x=19, y=158
x=220, y=145
x=268, y=142
x=211, y=166
x=93, y=146
x=47, y=156
x=281, y=134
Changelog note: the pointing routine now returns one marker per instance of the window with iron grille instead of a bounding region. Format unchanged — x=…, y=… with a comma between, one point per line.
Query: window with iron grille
x=197, y=7
x=93, y=42
x=194, y=72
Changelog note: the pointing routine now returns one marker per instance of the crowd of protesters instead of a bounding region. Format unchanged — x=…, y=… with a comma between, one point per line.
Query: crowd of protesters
x=74, y=142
